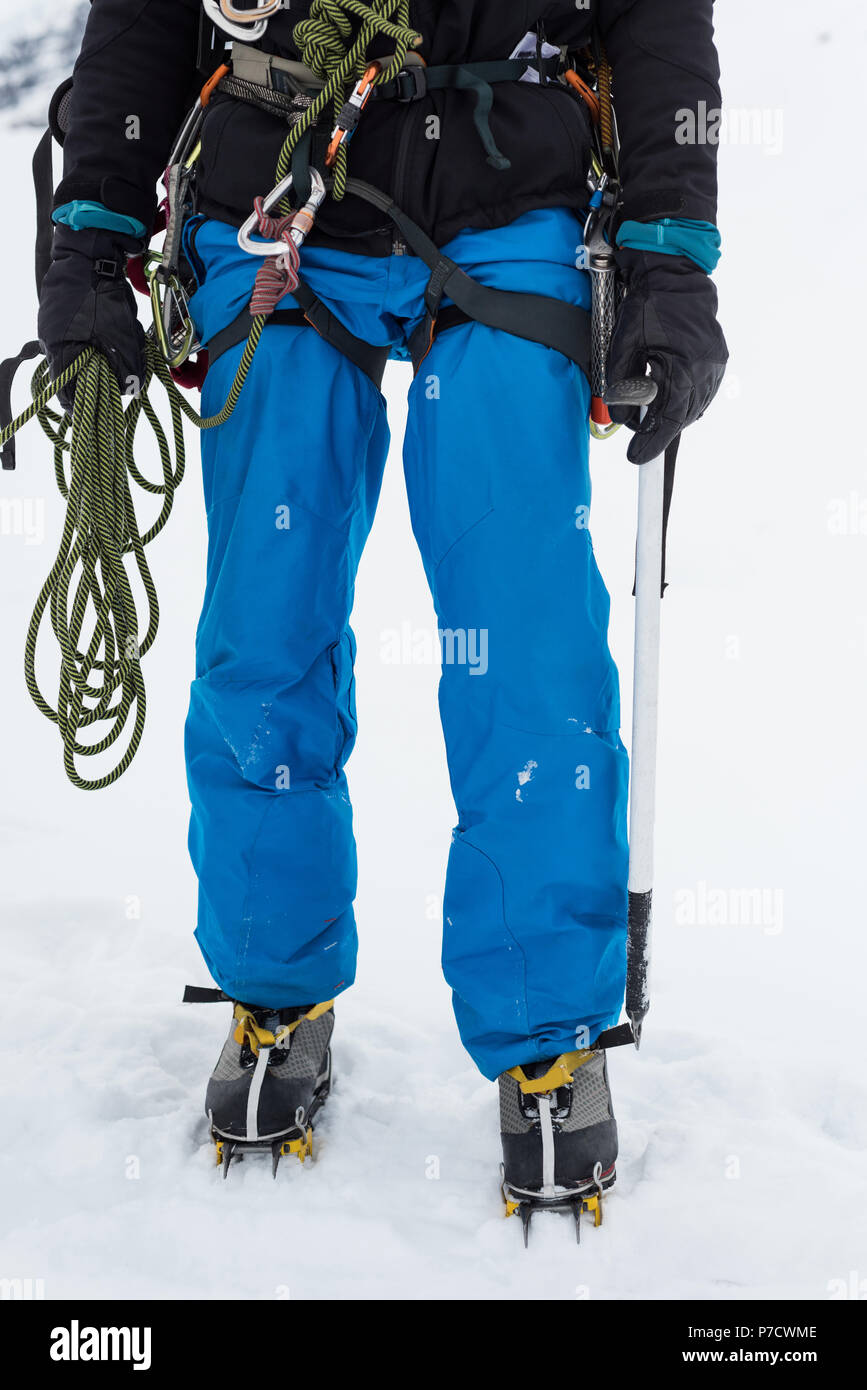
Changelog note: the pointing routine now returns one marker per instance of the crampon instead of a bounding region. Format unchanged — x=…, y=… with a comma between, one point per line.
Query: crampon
x=271, y=1081
x=572, y=1202
x=559, y=1138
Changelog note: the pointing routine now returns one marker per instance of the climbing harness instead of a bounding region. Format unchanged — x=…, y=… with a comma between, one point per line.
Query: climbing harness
x=100, y=684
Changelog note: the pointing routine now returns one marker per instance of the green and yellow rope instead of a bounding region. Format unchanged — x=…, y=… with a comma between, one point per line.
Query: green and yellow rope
x=100, y=681
x=326, y=44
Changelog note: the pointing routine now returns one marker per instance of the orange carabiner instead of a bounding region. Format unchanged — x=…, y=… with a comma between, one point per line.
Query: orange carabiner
x=355, y=104
x=208, y=89
x=586, y=93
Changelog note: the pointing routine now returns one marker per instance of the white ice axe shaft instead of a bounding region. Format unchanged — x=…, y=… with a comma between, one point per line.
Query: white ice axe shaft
x=645, y=704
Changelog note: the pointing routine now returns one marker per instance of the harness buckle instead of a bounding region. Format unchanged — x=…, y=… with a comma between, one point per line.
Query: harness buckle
x=410, y=84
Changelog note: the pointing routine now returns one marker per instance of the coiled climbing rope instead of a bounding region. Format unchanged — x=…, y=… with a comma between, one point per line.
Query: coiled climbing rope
x=324, y=40
x=88, y=595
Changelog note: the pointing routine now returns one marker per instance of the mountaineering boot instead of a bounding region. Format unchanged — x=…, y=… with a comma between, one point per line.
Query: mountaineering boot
x=559, y=1137
x=273, y=1076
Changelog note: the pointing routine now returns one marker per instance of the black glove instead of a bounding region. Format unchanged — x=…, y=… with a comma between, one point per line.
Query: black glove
x=667, y=322
x=86, y=301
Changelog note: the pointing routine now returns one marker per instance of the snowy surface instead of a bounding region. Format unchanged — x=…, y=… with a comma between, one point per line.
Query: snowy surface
x=744, y=1119
x=38, y=44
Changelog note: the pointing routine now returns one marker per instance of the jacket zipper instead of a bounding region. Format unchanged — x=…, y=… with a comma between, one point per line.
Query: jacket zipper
x=398, y=245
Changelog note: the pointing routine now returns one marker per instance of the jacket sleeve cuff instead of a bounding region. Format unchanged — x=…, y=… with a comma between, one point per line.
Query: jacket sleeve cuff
x=82, y=213
x=700, y=241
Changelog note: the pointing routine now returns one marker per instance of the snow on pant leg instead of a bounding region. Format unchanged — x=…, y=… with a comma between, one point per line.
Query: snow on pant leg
x=535, y=902
x=291, y=485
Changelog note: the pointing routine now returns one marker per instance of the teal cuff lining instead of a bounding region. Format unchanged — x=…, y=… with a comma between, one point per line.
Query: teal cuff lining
x=82, y=214
x=700, y=241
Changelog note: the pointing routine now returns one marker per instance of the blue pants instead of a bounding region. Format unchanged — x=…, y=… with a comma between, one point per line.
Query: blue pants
x=496, y=462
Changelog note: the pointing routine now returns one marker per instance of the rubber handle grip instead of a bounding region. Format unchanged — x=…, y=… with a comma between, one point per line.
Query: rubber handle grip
x=636, y=390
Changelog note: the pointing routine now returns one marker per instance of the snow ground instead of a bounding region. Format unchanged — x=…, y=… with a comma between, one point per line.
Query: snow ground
x=744, y=1119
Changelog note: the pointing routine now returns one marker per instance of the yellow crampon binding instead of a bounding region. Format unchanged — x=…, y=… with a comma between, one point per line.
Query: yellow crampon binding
x=302, y=1148
x=525, y=1204
x=251, y=1032
x=560, y=1073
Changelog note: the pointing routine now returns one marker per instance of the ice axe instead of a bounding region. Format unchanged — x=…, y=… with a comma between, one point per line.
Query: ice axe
x=649, y=583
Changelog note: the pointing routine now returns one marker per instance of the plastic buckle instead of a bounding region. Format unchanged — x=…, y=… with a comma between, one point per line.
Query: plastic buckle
x=410, y=83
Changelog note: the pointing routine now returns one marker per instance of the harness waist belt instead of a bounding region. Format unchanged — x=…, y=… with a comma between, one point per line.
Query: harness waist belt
x=553, y=323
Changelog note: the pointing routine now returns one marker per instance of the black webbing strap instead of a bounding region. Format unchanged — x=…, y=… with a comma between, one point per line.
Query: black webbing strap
x=239, y=330
x=668, y=466
x=42, y=166
x=614, y=1037
x=370, y=357
x=312, y=313
x=414, y=79
x=553, y=323
x=475, y=78
x=199, y=994
x=43, y=187
x=669, y=462
x=8, y=368
x=450, y=317
x=535, y=317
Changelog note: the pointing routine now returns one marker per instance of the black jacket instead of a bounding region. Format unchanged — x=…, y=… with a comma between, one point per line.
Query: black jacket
x=139, y=60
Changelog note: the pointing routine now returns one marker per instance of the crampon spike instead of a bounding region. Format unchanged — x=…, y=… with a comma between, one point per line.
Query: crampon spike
x=577, y=1209
x=227, y=1151
x=525, y=1211
x=233, y=1150
x=577, y=1204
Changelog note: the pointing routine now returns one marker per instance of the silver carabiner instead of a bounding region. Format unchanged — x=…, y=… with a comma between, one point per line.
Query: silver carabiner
x=303, y=221
x=247, y=25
